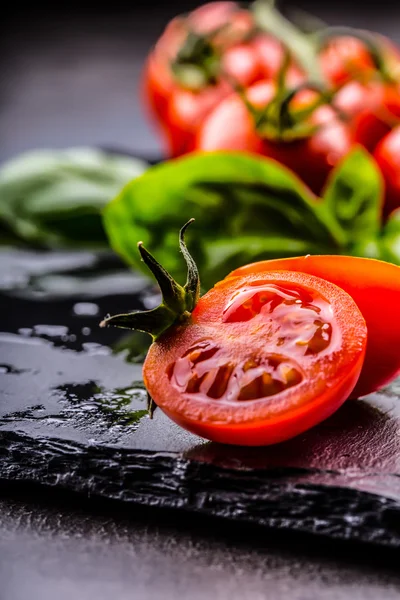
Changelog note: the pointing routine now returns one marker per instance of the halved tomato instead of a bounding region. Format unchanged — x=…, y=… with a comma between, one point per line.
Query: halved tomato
x=375, y=287
x=259, y=359
x=263, y=358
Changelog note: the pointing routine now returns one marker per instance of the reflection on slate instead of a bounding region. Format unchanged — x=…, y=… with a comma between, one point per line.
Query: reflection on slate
x=73, y=415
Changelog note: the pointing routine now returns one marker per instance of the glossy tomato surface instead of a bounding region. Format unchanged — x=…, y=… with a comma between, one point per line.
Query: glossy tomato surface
x=348, y=57
x=264, y=357
x=380, y=113
x=375, y=287
x=345, y=57
x=243, y=56
x=387, y=155
x=231, y=126
x=174, y=105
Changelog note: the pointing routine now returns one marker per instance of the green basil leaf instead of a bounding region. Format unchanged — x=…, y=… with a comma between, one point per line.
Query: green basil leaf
x=246, y=208
x=390, y=240
x=354, y=195
x=225, y=254
x=55, y=197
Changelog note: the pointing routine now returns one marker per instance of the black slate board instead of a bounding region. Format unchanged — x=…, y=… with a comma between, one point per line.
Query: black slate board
x=72, y=416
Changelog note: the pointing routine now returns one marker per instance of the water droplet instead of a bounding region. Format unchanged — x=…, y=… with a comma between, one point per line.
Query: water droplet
x=51, y=330
x=26, y=331
x=86, y=309
x=6, y=369
x=95, y=348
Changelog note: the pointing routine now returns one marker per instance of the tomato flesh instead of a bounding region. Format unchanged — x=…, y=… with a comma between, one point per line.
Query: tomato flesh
x=375, y=287
x=263, y=358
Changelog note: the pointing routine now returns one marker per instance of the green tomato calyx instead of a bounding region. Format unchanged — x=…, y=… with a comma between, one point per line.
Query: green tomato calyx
x=178, y=302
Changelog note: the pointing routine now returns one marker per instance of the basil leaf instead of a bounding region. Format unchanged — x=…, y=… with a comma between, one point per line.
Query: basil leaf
x=246, y=208
x=354, y=197
x=390, y=240
x=55, y=198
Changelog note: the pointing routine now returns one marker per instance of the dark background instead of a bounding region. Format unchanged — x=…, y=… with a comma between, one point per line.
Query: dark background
x=69, y=75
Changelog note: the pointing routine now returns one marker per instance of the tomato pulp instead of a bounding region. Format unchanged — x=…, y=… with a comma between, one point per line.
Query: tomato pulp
x=263, y=357
x=375, y=287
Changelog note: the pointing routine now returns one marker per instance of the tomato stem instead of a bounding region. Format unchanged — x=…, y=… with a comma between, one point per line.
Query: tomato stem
x=269, y=19
x=178, y=301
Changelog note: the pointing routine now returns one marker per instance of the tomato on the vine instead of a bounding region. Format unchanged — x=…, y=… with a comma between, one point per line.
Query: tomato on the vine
x=309, y=145
x=387, y=155
x=358, y=55
x=258, y=359
x=375, y=287
x=343, y=57
x=198, y=61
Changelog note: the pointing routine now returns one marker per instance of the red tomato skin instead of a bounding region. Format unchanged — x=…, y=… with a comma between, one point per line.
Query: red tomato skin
x=387, y=155
x=230, y=126
x=186, y=111
x=176, y=111
x=268, y=433
x=364, y=104
x=279, y=416
x=343, y=57
x=375, y=287
x=380, y=114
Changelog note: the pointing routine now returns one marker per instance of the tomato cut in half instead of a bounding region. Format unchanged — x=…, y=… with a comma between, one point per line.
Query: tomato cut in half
x=375, y=287
x=258, y=359
x=263, y=358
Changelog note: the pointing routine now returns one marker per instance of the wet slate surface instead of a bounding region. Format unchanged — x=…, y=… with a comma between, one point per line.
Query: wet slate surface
x=73, y=417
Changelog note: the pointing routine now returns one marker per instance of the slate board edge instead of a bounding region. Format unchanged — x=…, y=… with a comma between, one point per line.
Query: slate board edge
x=165, y=480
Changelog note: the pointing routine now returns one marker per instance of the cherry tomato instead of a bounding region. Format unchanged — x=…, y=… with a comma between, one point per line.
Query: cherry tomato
x=162, y=87
x=179, y=101
x=387, y=155
x=263, y=358
x=347, y=57
x=374, y=109
x=343, y=57
x=231, y=126
x=258, y=359
x=364, y=104
x=185, y=113
x=375, y=287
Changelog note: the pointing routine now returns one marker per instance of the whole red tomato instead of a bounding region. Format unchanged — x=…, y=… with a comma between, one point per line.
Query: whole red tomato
x=257, y=360
x=319, y=142
x=358, y=56
x=196, y=63
x=344, y=57
x=373, y=109
x=375, y=287
x=387, y=155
